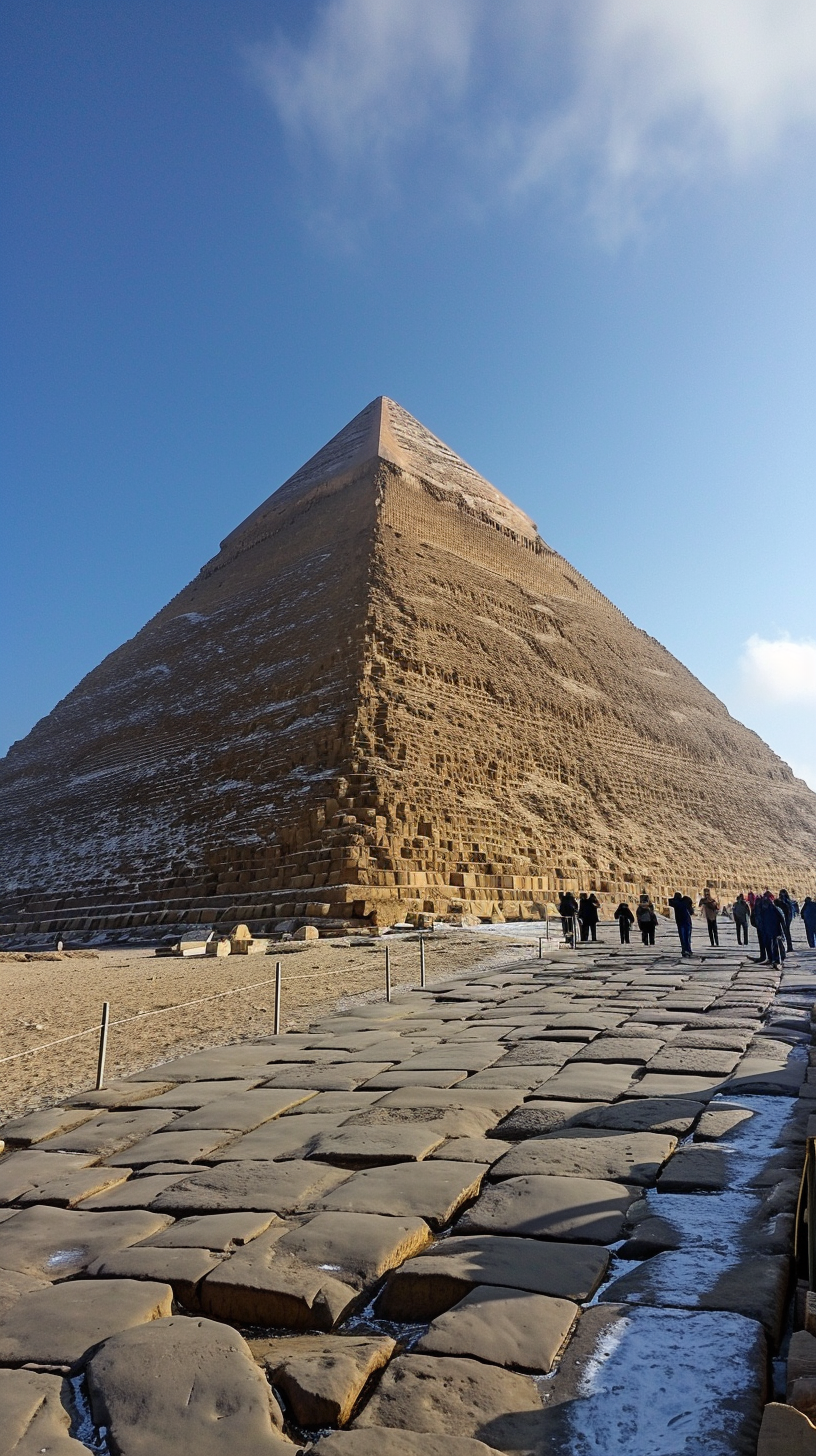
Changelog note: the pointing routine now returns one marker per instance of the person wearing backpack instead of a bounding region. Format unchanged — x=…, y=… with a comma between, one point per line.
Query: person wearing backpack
x=625, y=920
x=683, y=908
x=647, y=920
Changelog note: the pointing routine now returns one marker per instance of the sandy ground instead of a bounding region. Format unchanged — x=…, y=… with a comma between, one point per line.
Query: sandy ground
x=46, y=997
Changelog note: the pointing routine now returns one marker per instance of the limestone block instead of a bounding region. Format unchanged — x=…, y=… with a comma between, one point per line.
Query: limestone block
x=60, y=1324
x=307, y=932
x=135, y=1193
x=433, y=1191
x=425, y=1286
x=785, y=1432
x=281, y=1188
x=284, y=1138
x=679, y=1086
x=697, y=1061
x=590, y=1082
x=359, y=1147
x=377, y=1441
x=183, y=1385
x=56, y=1243
x=22, y=1132
x=471, y=1150
x=508, y=1327
x=647, y=1114
x=221, y=1232
x=535, y=1119
x=13, y=1285
x=110, y=1133
x=754, y=1287
x=189, y=1095
x=72, y=1188
x=585, y=1209
x=445, y=1395
x=609, y=1048
x=35, y=1415
x=322, y=1376
x=21, y=1172
x=594, y=1153
x=172, y=1147
x=182, y=1268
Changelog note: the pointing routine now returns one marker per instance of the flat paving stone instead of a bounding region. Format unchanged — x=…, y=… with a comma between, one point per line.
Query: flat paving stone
x=534, y=1119
x=471, y=1150
x=589, y=1082
x=397, y=1079
x=378, y=1441
x=183, y=1269
x=322, y=1376
x=358, y=1147
x=110, y=1132
x=667, y=1381
x=425, y=1286
x=584, y=1210
x=635, y=1049
x=31, y=1168
x=285, y=1137
x=728, y=1041
x=361, y=1247
x=120, y=1093
x=648, y=1114
x=60, y=1324
x=628, y=1157
x=698, y=1167
x=240, y=1111
x=695, y=1061
x=678, y=1085
x=35, y=1127
x=56, y=1243
x=538, y=1053
x=187, y=1096
x=13, y=1285
x=507, y=1327
x=494, y=1099
x=72, y=1188
x=445, y=1395
x=35, y=1415
x=455, y=1057
x=759, y=1076
x=286, y=1187
x=222, y=1232
x=433, y=1190
x=172, y=1147
x=462, y=1122
x=134, y=1193
x=525, y=1078
x=184, y=1385
x=332, y=1078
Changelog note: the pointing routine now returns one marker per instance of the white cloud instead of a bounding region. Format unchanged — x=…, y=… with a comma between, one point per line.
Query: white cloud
x=779, y=672
x=619, y=99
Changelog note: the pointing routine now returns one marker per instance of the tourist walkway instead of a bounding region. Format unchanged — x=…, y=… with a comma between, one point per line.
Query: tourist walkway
x=546, y=1211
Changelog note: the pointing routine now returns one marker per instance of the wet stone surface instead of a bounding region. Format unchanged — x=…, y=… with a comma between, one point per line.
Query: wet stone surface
x=547, y=1211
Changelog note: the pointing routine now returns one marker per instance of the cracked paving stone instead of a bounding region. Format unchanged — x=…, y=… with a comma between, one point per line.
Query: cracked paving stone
x=183, y=1269
x=36, y=1415
x=451, y=1396
x=110, y=1133
x=57, y=1326
x=56, y=1243
x=322, y=1376
x=286, y=1187
x=662, y=1115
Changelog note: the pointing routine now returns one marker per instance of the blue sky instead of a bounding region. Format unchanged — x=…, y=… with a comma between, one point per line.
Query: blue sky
x=574, y=237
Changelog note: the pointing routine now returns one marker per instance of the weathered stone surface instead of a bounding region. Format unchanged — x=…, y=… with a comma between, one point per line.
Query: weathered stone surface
x=257, y=1286
x=678, y=1086
x=535, y=1119
x=589, y=1082
x=460, y=1122
x=184, y=1385
x=251, y=1188
x=35, y=1415
x=183, y=1269
x=425, y=1286
x=221, y=1232
x=377, y=1441
x=432, y=1191
x=136, y=1192
x=121, y=1093
x=172, y=1147
x=187, y=1096
x=763, y=1076
x=698, y=1166
x=22, y=1132
x=630, y=1376
x=110, y=1133
x=72, y=1188
x=358, y=1246
x=55, y=1243
x=357, y=1147
x=784, y=1432
x=455, y=1057
x=240, y=1111
x=508, y=1327
x=644, y=1115
x=585, y=1210
x=635, y=1157
x=537, y=1053
x=322, y=1376
x=396, y=1079
x=456, y=1397
x=490, y=1100
x=284, y=1138
x=14, y=1285
x=696, y=1061
x=635, y=1049
x=330, y=1078
x=60, y=1324
x=471, y=1150
x=21, y=1172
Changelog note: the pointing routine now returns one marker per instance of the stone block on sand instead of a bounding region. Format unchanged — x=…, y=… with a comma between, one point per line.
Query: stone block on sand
x=423, y=1287
x=431, y=1190
x=445, y=1395
x=583, y=1210
x=631, y=1157
x=184, y=1385
x=508, y=1327
x=252, y=1188
x=55, y=1243
x=322, y=1376
x=35, y=1415
x=60, y=1324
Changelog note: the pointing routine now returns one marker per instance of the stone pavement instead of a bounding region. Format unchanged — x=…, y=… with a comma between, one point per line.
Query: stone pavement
x=546, y=1211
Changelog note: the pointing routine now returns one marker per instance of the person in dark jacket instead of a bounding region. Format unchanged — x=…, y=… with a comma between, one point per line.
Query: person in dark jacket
x=711, y=909
x=809, y=920
x=625, y=920
x=742, y=915
x=588, y=907
x=567, y=908
x=770, y=923
x=785, y=904
x=683, y=908
x=646, y=919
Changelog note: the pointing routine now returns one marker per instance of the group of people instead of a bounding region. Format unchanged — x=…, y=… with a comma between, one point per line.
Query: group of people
x=771, y=916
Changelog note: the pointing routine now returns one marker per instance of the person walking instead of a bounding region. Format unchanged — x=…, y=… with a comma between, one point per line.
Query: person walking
x=808, y=913
x=770, y=923
x=567, y=909
x=785, y=904
x=646, y=919
x=742, y=915
x=588, y=907
x=683, y=908
x=625, y=920
x=711, y=910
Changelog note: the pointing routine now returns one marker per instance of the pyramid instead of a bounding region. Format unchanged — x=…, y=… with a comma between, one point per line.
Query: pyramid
x=386, y=693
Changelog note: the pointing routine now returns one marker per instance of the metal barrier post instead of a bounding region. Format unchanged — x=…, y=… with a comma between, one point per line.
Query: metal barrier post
x=276, y=1023
x=422, y=962
x=575, y=932
x=103, y=1045
x=388, y=973
x=540, y=947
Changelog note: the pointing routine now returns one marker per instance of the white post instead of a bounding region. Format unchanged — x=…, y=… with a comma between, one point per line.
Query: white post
x=103, y=1045
x=276, y=1023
